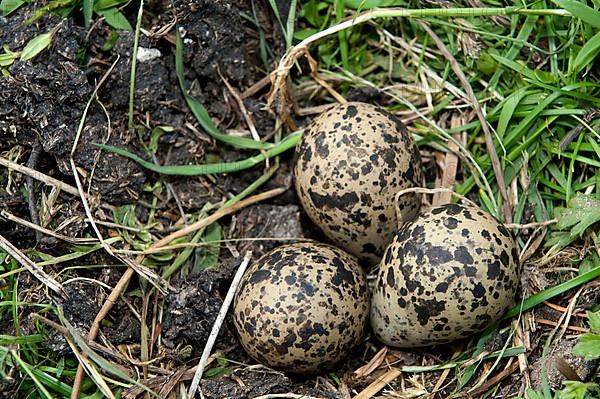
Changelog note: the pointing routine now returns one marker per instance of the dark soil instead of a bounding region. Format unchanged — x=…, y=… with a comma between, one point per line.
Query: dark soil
x=42, y=103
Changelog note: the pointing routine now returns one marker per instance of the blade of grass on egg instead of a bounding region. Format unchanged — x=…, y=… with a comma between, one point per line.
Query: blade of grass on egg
x=201, y=113
x=226, y=167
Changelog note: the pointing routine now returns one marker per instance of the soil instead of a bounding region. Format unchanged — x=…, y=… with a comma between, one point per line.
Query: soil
x=42, y=103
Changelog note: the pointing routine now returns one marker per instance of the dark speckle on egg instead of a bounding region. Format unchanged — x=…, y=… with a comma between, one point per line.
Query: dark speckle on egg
x=350, y=163
x=302, y=307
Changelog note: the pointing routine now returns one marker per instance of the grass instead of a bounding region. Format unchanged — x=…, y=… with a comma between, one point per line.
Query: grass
x=534, y=72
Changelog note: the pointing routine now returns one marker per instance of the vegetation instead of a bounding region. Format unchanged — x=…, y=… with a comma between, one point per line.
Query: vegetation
x=511, y=93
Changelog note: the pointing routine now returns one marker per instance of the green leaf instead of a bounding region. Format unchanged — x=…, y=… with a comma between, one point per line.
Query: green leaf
x=106, y=4
x=594, y=321
x=8, y=57
x=88, y=6
x=583, y=211
x=304, y=33
x=587, y=54
x=217, y=372
x=582, y=11
x=9, y=6
x=116, y=19
x=156, y=134
x=588, y=346
x=578, y=390
x=36, y=46
x=208, y=256
x=531, y=394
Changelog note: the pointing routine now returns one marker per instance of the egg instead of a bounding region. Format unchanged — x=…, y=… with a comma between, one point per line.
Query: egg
x=349, y=164
x=448, y=274
x=302, y=307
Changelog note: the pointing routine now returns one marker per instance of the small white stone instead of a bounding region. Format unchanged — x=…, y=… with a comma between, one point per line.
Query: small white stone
x=147, y=54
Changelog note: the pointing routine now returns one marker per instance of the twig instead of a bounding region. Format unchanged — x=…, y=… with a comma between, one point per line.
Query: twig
x=217, y=215
x=9, y=216
x=531, y=225
x=217, y=325
x=38, y=176
x=489, y=141
x=256, y=87
x=563, y=309
x=373, y=364
x=450, y=166
x=34, y=269
x=240, y=102
x=554, y=324
x=33, y=211
x=492, y=382
x=378, y=384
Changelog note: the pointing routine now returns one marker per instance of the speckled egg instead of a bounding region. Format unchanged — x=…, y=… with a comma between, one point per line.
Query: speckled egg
x=302, y=307
x=350, y=163
x=448, y=274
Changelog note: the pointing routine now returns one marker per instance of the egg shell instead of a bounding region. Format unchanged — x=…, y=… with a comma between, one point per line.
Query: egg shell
x=350, y=163
x=302, y=307
x=448, y=274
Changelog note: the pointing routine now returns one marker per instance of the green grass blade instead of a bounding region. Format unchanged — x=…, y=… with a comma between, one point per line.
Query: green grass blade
x=582, y=11
x=88, y=6
x=136, y=40
x=20, y=340
x=201, y=113
x=291, y=20
x=515, y=66
x=342, y=35
x=508, y=109
x=79, y=252
x=549, y=293
x=587, y=54
x=97, y=359
x=513, y=51
x=52, y=382
x=196, y=170
x=275, y=9
x=27, y=368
